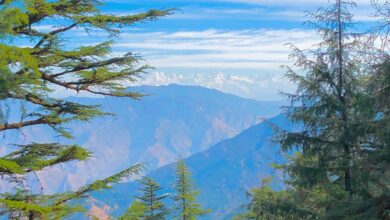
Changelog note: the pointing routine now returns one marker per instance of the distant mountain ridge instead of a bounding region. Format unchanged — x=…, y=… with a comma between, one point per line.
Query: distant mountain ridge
x=258, y=86
x=171, y=120
x=223, y=173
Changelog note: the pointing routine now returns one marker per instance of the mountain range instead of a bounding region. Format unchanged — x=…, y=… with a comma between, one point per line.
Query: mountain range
x=171, y=120
x=257, y=86
x=223, y=173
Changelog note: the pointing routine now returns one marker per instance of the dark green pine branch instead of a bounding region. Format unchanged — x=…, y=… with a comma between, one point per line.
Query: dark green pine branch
x=29, y=74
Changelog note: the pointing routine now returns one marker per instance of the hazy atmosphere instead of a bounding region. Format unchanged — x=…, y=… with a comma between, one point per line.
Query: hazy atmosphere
x=237, y=47
x=194, y=109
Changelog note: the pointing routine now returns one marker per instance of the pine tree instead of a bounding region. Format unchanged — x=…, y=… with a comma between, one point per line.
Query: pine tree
x=340, y=167
x=285, y=204
x=153, y=203
x=185, y=197
x=336, y=111
x=136, y=211
x=374, y=180
x=322, y=102
x=34, y=63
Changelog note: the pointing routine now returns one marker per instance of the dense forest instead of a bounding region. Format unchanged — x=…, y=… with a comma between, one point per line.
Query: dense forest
x=338, y=161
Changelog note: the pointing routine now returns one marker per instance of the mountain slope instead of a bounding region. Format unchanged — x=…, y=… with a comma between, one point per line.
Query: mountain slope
x=171, y=120
x=222, y=173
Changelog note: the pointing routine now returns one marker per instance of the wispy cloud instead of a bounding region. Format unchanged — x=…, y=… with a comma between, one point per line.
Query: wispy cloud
x=266, y=2
x=244, y=37
x=243, y=62
x=262, y=49
x=281, y=10
x=254, y=86
x=292, y=3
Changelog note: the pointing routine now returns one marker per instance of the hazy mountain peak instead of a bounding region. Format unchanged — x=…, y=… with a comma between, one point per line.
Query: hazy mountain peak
x=172, y=120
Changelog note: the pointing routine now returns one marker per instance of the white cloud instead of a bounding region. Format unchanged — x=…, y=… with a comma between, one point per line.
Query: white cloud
x=254, y=86
x=282, y=10
x=261, y=50
x=245, y=62
x=292, y=3
x=268, y=2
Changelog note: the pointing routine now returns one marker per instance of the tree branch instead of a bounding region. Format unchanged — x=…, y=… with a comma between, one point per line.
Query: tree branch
x=19, y=125
x=85, y=88
x=52, y=33
x=92, y=65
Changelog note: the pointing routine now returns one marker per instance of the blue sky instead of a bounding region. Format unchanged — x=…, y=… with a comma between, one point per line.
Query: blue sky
x=237, y=46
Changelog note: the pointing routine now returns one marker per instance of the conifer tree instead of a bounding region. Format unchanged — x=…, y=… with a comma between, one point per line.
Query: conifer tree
x=324, y=99
x=185, y=198
x=336, y=110
x=374, y=178
x=341, y=168
x=34, y=62
x=153, y=203
x=286, y=204
x=136, y=211
x=374, y=130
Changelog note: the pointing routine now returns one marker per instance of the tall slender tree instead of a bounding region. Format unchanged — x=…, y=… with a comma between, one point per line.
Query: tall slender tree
x=34, y=62
x=336, y=110
x=185, y=198
x=324, y=100
x=153, y=203
x=341, y=163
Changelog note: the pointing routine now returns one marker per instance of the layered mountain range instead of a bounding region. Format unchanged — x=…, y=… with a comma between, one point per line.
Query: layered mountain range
x=170, y=121
x=224, y=174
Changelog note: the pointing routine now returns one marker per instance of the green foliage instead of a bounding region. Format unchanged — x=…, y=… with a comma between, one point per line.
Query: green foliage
x=185, y=197
x=336, y=110
x=149, y=205
x=29, y=73
x=35, y=157
x=7, y=166
x=153, y=203
x=35, y=206
x=287, y=204
x=342, y=102
x=98, y=185
x=135, y=212
x=23, y=204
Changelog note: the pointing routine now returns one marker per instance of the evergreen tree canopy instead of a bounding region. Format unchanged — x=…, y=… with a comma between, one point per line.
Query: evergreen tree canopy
x=325, y=102
x=287, y=204
x=33, y=64
x=135, y=212
x=341, y=154
x=185, y=198
x=153, y=205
